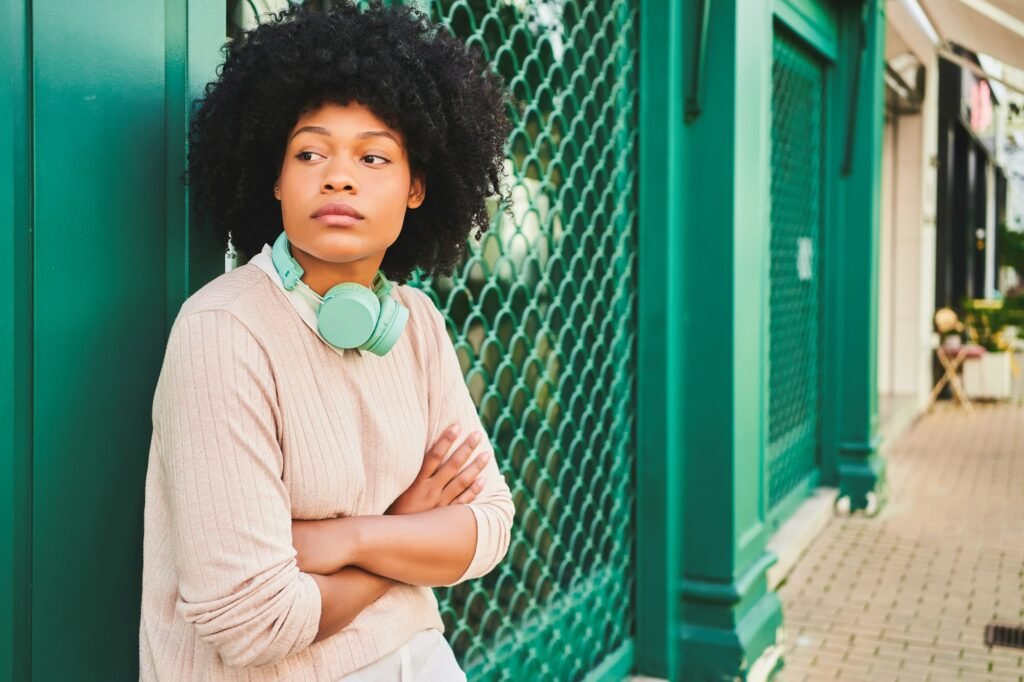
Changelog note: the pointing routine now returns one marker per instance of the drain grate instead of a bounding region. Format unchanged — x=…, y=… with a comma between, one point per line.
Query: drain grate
x=1004, y=635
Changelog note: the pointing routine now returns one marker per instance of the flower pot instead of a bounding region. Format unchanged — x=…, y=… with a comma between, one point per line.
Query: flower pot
x=988, y=376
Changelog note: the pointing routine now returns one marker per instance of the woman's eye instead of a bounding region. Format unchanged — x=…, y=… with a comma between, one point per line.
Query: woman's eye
x=375, y=156
x=305, y=156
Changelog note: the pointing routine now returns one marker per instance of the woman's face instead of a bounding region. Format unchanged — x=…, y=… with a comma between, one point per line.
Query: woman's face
x=337, y=158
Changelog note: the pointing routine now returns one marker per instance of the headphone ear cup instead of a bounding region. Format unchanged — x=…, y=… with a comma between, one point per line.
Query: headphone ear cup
x=349, y=315
x=393, y=317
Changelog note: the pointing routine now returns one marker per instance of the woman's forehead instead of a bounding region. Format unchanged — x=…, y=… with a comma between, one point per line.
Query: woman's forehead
x=353, y=119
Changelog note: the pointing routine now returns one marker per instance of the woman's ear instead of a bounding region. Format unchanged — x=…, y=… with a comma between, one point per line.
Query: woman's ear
x=417, y=191
x=277, y=189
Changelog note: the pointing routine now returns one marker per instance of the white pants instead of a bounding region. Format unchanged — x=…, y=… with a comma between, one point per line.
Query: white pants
x=425, y=657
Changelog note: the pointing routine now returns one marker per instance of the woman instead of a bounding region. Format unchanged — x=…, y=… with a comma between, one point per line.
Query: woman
x=317, y=463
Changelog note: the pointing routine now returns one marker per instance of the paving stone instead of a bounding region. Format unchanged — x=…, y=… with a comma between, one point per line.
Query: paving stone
x=906, y=595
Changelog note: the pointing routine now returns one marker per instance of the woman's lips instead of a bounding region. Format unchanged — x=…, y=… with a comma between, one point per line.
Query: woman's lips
x=338, y=220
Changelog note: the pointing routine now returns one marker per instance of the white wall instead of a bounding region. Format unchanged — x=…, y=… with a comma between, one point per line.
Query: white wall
x=907, y=247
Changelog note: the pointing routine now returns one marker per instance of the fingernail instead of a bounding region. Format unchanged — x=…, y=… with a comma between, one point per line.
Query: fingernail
x=475, y=438
x=453, y=430
x=485, y=457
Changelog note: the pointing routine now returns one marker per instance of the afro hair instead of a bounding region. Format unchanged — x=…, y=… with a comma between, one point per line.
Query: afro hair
x=450, y=107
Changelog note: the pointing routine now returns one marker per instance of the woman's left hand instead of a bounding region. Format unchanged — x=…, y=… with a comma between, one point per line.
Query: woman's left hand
x=323, y=546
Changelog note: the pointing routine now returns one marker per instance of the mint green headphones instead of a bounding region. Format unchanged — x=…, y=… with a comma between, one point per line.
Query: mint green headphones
x=349, y=315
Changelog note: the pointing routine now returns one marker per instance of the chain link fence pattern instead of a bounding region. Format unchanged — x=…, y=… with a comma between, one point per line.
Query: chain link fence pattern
x=796, y=191
x=543, y=316
x=542, y=312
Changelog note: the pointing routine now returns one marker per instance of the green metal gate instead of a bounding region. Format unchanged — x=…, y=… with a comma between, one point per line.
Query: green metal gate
x=798, y=91
x=542, y=311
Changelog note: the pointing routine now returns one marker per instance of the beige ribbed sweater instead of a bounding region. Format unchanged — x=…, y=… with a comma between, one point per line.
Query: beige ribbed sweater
x=257, y=421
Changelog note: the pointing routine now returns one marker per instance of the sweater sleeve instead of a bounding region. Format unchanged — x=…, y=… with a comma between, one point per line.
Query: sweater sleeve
x=450, y=402
x=215, y=421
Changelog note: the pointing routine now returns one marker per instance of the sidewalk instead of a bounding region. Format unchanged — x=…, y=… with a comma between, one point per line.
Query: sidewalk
x=907, y=595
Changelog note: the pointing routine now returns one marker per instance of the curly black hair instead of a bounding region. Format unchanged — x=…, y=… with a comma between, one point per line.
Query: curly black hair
x=438, y=92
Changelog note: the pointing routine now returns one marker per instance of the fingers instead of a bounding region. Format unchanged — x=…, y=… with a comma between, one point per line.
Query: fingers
x=458, y=458
x=432, y=460
x=470, y=493
x=467, y=480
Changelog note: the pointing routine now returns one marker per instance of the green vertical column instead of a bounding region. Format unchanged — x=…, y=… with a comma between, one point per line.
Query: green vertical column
x=729, y=618
x=194, y=33
x=15, y=340
x=850, y=416
x=661, y=310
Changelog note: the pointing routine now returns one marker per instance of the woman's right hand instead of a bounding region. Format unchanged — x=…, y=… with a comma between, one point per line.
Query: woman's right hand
x=439, y=485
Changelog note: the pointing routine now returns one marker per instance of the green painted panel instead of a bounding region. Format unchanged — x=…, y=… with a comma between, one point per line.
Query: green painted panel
x=99, y=293
x=795, y=283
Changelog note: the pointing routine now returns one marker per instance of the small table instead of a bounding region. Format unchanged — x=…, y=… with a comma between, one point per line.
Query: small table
x=951, y=364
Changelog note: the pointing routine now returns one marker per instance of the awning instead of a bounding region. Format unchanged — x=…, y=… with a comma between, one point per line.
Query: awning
x=992, y=27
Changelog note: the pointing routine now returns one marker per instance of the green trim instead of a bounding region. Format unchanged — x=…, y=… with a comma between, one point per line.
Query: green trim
x=661, y=307
x=615, y=667
x=16, y=339
x=728, y=652
x=814, y=21
x=831, y=257
x=194, y=34
x=727, y=593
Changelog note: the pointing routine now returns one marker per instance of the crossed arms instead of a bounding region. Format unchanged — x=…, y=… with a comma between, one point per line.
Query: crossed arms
x=420, y=541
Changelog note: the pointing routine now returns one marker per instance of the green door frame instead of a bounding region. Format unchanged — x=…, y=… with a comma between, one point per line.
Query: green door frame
x=850, y=35
x=816, y=24
x=851, y=457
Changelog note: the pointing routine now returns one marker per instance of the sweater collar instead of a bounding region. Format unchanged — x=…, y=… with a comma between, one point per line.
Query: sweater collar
x=305, y=307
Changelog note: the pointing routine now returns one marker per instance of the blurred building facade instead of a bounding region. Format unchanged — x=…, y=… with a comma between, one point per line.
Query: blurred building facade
x=950, y=178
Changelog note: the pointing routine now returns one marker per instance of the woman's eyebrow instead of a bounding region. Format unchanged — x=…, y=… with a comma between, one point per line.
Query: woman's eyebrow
x=318, y=130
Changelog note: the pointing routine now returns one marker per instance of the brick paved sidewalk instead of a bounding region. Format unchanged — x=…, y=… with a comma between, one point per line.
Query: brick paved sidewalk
x=907, y=595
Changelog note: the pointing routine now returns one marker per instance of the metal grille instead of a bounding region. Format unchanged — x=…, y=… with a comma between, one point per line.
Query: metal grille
x=1004, y=635
x=543, y=315
x=542, y=312
x=797, y=100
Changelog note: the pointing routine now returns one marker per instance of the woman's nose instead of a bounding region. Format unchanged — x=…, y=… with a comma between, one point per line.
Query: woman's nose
x=339, y=177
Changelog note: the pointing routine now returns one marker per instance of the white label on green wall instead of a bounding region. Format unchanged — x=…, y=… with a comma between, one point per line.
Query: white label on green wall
x=804, y=258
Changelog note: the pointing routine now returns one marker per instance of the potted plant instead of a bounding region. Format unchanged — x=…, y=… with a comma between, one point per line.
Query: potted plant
x=988, y=376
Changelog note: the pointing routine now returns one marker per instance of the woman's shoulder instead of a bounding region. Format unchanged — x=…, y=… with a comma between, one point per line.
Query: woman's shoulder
x=240, y=303
x=228, y=292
